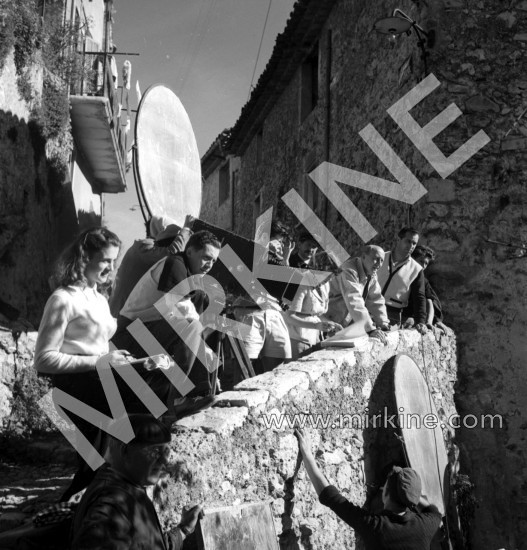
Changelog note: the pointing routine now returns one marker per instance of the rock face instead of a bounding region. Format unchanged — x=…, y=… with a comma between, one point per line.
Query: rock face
x=20, y=387
x=238, y=452
x=35, y=203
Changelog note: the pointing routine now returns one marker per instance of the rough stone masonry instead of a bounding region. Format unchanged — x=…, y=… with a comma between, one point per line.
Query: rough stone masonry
x=227, y=455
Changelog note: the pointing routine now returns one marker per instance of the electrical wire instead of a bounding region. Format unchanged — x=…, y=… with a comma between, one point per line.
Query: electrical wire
x=198, y=44
x=259, y=48
x=189, y=46
x=197, y=48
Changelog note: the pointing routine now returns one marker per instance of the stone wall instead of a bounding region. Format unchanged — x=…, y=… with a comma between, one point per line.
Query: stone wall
x=227, y=456
x=20, y=386
x=480, y=59
x=36, y=209
x=482, y=66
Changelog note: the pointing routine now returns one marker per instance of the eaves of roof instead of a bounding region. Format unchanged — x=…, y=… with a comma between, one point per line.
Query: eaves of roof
x=216, y=153
x=291, y=48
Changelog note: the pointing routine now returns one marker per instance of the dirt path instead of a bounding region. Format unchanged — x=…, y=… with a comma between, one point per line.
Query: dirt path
x=26, y=487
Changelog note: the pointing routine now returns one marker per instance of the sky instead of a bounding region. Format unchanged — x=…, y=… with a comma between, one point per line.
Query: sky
x=205, y=51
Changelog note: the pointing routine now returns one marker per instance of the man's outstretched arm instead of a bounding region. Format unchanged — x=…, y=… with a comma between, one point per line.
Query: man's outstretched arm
x=329, y=495
x=315, y=474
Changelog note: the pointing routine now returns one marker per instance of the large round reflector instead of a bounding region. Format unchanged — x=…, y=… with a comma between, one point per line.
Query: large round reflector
x=168, y=163
x=421, y=430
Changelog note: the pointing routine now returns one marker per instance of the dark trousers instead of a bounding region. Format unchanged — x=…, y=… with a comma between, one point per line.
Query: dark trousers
x=394, y=315
x=177, y=348
x=87, y=387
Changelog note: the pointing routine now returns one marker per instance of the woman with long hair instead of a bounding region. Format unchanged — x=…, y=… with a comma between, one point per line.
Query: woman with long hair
x=76, y=326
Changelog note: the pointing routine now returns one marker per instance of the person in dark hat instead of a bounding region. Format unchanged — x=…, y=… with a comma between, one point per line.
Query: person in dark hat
x=408, y=521
x=115, y=512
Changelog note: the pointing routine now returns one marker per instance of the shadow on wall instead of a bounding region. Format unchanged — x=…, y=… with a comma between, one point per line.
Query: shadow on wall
x=37, y=215
x=382, y=444
x=288, y=539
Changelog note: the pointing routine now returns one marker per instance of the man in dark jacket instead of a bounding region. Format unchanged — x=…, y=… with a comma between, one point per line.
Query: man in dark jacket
x=116, y=513
x=424, y=256
x=400, y=526
x=164, y=238
x=156, y=290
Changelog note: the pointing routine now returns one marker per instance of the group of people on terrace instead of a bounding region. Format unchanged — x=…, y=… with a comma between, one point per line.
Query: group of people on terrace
x=82, y=332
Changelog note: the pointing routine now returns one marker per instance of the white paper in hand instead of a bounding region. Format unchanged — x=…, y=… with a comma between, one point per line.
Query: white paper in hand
x=346, y=337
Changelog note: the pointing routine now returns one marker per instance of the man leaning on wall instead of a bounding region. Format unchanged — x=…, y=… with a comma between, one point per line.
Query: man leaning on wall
x=355, y=295
x=402, y=282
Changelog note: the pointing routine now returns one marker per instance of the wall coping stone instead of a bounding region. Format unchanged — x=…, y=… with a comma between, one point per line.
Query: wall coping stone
x=278, y=383
x=249, y=398
x=221, y=421
x=290, y=382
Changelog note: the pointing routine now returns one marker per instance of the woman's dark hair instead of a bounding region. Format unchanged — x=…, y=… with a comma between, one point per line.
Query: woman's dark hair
x=71, y=264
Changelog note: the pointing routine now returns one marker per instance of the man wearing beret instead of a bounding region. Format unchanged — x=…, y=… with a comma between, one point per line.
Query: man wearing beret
x=400, y=526
x=115, y=512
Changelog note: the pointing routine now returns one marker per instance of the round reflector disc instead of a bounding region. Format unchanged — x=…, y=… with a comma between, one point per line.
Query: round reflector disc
x=168, y=162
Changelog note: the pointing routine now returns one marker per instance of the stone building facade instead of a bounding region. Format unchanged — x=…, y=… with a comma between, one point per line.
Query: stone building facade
x=328, y=78
x=220, y=172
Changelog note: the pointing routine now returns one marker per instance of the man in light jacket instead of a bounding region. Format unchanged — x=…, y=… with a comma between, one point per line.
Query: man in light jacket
x=355, y=294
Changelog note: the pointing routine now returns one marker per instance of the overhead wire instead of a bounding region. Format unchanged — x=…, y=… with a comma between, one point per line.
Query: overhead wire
x=259, y=48
x=198, y=43
x=189, y=45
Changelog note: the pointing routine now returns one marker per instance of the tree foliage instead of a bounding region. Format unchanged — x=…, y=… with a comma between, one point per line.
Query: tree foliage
x=51, y=45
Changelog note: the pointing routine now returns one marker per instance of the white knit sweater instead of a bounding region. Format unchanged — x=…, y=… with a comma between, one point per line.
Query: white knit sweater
x=75, y=330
